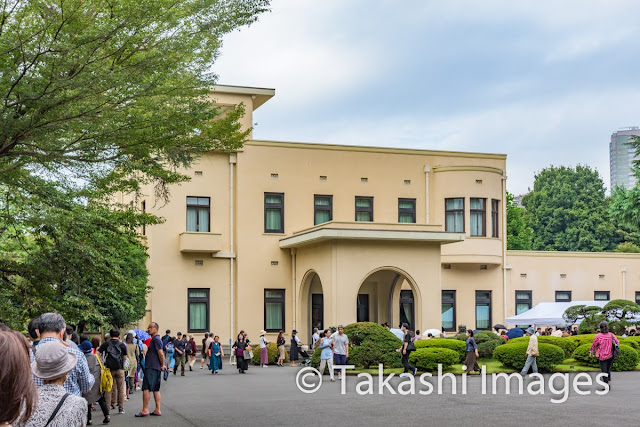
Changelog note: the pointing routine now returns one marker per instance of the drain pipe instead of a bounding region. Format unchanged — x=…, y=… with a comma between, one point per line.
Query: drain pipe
x=427, y=169
x=624, y=282
x=232, y=161
x=504, y=242
x=293, y=283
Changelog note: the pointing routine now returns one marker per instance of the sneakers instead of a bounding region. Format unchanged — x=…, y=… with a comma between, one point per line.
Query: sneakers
x=414, y=371
x=106, y=420
x=404, y=375
x=121, y=411
x=190, y=368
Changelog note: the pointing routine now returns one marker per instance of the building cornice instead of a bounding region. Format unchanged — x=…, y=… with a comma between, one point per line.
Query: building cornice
x=468, y=169
x=567, y=254
x=369, y=149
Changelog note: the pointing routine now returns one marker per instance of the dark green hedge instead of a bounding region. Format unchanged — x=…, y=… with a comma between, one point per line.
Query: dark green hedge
x=427, y=359
x=455, y=345
x=486, y=348
x=514, y=355
x=484, y=336
x=566, y=344
x=272, y=349
x=627, y=361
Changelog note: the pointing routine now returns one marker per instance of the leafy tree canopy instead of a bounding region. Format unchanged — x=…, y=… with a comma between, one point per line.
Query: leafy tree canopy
x=519, y=234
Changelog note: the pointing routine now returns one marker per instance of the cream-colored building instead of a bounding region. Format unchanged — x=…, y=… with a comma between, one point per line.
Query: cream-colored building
x=284, y=235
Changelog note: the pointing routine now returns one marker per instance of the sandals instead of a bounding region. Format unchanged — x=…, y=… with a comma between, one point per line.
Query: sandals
x=140, y=415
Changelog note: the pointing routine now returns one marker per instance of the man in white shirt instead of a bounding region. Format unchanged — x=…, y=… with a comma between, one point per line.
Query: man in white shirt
x=340, y=348
x=557, y=333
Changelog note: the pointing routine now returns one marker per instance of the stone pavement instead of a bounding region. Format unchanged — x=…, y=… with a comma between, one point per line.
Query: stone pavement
x=270, y=397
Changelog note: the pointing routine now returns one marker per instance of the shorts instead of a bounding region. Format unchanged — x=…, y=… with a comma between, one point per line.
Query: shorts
x=151, y=379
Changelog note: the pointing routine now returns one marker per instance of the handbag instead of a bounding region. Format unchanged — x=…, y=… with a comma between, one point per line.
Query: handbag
x=615, y=348
x=248, y=354
x=411, y=347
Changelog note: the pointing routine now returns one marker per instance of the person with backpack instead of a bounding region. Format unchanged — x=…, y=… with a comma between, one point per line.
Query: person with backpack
x=180, y=349
x=606, y=347
x=191, y=351
x=405, y=350
x=96, y=394
x=114, y=353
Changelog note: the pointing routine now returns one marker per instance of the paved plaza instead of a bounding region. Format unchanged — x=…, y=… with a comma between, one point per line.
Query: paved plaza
x=270, y=397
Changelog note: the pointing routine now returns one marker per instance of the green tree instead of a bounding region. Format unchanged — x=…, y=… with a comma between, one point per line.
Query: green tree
x=519, y=235
x=567, y=211
x=99, y=97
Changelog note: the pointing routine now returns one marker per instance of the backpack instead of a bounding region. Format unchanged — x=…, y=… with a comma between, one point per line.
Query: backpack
x=106, y=379
x=170, y=348
x=113, y=351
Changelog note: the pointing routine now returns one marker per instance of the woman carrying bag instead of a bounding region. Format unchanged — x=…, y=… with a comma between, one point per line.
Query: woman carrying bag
x=239, y=347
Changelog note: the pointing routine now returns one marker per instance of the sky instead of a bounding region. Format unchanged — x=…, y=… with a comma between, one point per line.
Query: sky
x=545, y=82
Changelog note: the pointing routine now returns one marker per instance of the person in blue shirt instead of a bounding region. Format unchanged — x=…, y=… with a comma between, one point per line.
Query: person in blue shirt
x=326, y=354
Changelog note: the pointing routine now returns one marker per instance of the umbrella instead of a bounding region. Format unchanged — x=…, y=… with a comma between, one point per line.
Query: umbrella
x=515, y=333
x=499, y=326
x=142, y=335
x=434, y=332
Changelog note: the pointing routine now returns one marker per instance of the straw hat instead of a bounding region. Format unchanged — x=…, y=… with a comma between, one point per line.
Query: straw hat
x=53, y=360
x=262, y=332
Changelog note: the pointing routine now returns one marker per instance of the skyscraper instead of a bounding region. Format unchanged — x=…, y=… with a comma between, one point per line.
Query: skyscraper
x=621, y=156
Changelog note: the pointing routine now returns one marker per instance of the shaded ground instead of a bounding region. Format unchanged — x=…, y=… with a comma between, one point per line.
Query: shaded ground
x=270, y=397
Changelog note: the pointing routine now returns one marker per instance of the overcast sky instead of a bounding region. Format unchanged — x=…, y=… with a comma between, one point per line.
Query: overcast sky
x=545, y=82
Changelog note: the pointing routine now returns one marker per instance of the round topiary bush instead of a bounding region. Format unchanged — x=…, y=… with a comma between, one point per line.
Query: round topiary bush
x=634, y=344
x=566, y=344
x=582, y=339
x=485, y=349
x=272, y=349
x=514, y=355
x=484, y=336
x=455, y=345
x=369, y=345
x=627, y=361
x=427, y=359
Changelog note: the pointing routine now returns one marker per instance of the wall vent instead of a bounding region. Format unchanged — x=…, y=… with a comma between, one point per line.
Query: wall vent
x=407, y=182
x=483, y=267
x=199, y=262
x=523, y=275
x=563, y=276
x=364, y=179
x=446, y=266
x=274, y=263
x=478, y=181
x=274, y=175
x=323, y=177
x=198, y=173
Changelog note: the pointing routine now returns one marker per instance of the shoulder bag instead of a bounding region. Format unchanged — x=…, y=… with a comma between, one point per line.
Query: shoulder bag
x=615, y=347
x=55, y=411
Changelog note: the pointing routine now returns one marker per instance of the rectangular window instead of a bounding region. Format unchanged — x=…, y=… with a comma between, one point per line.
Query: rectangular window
x=273, y=310
x=602, y=295
x=454, y=215
x=198, y=209
x=563, y=296
x=637, y=297
x=449, y=310
x=322, y=209
x=477, y=217
x=495, y=218
x=523, y=301
x=198, y=310
x=483, y=309
x=274, y=212
x=363, y=308
x=364, y=209
x=407, y=211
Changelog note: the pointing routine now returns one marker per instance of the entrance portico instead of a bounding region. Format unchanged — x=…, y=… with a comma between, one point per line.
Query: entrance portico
x=367, y=270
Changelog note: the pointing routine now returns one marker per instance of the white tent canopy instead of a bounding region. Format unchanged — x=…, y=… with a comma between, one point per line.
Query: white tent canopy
x=548, y=313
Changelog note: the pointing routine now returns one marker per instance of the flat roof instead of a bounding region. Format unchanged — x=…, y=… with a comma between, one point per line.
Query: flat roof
x=326, y=234
x=372, y=149
x=262, y=95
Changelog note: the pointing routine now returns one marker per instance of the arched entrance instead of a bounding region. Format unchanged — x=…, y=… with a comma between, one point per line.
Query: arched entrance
x=311, y=303
x=389, y=295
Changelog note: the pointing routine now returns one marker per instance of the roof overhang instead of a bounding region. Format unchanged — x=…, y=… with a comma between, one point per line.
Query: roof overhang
x=259, y=95
x=328, y=234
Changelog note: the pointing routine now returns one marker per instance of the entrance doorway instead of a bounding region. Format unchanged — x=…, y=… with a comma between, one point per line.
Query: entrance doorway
x=363, y=307
x=407, y=308
x=317, y=311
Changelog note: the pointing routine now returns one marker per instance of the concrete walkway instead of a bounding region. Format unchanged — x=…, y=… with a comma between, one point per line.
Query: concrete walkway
x=263, y=397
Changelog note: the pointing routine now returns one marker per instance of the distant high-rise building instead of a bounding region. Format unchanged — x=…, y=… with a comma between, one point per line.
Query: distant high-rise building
x=621, y=157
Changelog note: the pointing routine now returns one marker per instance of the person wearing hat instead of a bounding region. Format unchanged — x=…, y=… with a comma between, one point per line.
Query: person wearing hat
x=56, y=407
x=532, y=353
x=179, y=345
x=264, y=352
x=95, y=395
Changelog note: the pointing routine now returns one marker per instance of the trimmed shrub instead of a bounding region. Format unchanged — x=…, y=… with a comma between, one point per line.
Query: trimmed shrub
x=627, y=361
x=369, y=344
x=455, y=345
x=513, y=355
x=634, y=344
x=588, y=339
x=272, y=349
x=486, y=348
x=484, y=336
x=427, y=359
x=582, y=339
x=567, y=345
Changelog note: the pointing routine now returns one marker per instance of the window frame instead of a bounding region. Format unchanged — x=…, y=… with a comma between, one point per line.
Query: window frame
x=412, y=211
x=484, y=301
x=483, y=211
x=451, y=301
x=446, y=211
x=608, y=293
x=274, y=299
x=523, y=301
x=562, y=300
x=362, y=209
x=198, y=207
x=206, y=300
x=317, y=208
x=274, y=206
x=495, y=218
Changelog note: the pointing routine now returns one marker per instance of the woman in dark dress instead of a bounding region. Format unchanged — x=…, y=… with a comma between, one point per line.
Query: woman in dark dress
x=239, y=346
x=293, y=351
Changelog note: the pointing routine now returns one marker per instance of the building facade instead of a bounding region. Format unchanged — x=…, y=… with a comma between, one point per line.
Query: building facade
x=283, y=235
x=621, y=157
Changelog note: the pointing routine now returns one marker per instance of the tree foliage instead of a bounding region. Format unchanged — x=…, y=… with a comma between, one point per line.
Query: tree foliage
x=100, y=97
x=567, y=211
x=519, y=234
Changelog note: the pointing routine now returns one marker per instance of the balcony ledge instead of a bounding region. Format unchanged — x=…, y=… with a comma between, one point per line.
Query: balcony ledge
x=203, y=243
